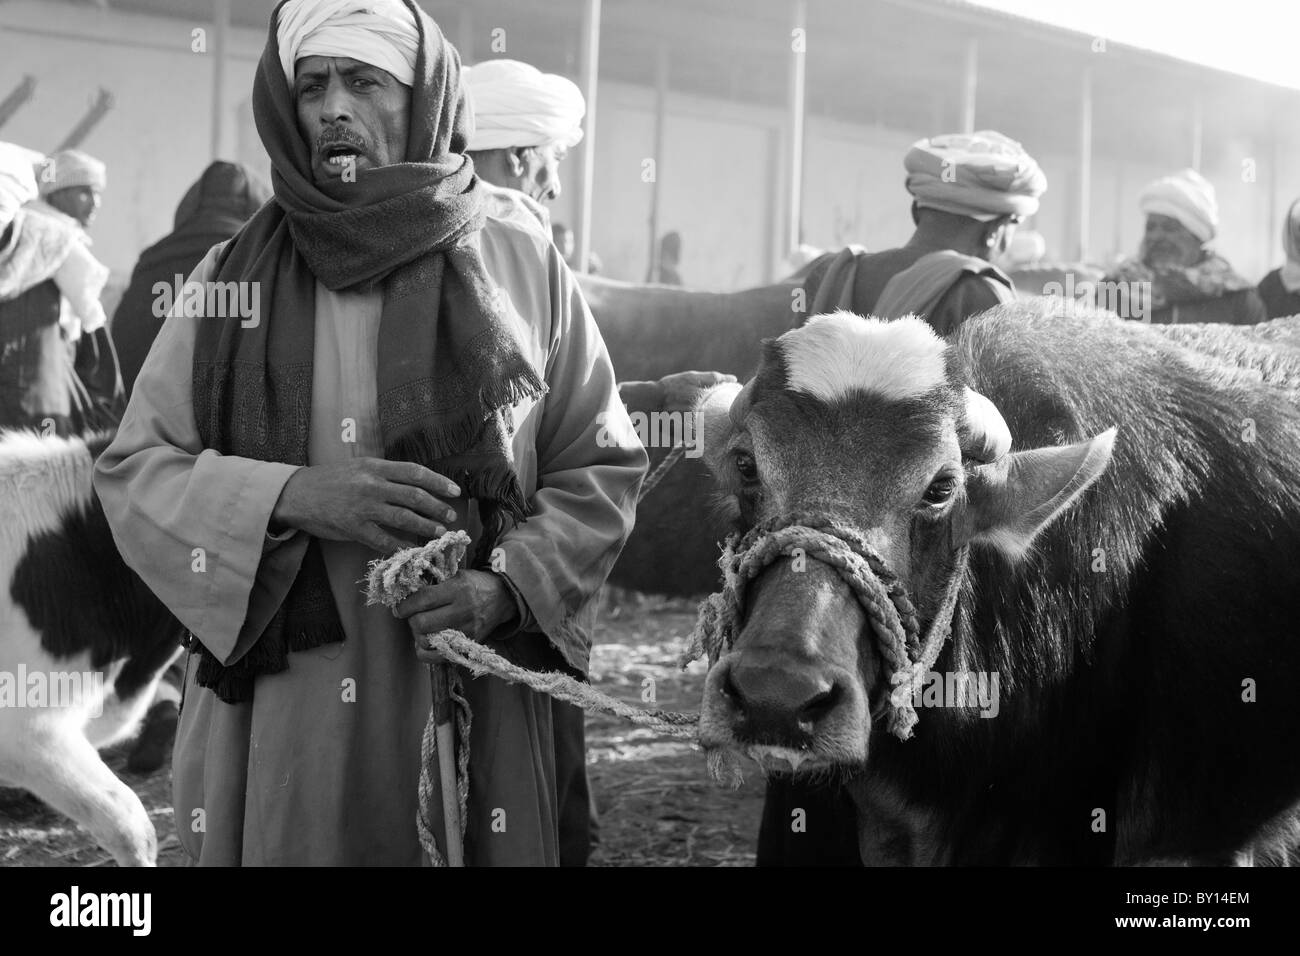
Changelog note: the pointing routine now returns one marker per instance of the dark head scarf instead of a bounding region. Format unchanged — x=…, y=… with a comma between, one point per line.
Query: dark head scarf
x=449, y=369
x=214, y=209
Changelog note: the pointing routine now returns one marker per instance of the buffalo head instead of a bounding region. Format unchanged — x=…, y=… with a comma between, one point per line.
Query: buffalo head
x=868, y=422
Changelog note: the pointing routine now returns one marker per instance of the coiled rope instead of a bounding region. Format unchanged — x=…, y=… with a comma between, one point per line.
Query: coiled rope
x=907, y=655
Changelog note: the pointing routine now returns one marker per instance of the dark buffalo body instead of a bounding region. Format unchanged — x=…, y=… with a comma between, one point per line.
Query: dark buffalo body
x=1158, y=690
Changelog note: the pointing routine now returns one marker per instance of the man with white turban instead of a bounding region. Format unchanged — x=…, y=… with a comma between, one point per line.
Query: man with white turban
x=73, y=183
x=1177, y=276
x=57, y=369
x=525, y=122
x=409, y=364
x=969, y=191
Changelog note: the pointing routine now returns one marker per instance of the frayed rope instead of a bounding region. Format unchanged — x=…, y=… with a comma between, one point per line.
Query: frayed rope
x=390, y=580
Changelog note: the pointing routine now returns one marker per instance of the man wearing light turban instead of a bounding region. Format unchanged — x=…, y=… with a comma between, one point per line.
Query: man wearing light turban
x=525, y=122
x=57, y=369
x=1177, y=275
x=969, y=191
x=406, y=363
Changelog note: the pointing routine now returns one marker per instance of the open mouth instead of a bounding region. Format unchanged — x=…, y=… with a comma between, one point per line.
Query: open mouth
x=340, y=155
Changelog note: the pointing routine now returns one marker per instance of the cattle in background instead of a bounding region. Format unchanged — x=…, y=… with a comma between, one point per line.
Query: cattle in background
x=82, y=641
x=1134, y=591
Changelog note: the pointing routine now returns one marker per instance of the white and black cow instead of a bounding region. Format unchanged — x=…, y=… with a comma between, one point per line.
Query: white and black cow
x=83, y=641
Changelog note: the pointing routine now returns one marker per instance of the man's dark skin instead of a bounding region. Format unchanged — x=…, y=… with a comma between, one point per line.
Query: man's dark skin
x=356, y=115
x=533, y=170
x=937, y=230
x=1168, y=243
x=79, y=202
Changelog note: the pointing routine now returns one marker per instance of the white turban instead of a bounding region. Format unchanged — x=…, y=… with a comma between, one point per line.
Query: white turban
x=379, y=32
x=518, y=105
x=17, y=179
x=982, y=175
x=71, y=167
x=1186, y=196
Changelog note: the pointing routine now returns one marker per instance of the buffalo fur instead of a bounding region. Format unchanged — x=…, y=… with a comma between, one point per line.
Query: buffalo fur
x=1123, y=688
x=1126, y=640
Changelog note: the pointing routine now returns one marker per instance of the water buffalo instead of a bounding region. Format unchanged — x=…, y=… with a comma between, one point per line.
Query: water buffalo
x=1030, y=596
x=652, y=331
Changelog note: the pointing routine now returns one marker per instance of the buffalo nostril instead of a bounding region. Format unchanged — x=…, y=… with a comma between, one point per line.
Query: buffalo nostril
x=818, y=707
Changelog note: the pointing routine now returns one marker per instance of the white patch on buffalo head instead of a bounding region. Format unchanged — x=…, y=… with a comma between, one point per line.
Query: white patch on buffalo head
x=840, y=353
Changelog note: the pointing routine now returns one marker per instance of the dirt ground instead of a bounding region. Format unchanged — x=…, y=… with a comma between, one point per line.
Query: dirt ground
x=657, y=805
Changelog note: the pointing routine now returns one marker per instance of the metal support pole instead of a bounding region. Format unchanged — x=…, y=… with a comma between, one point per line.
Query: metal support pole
x=220, y=44
x=1198, y=133
x=1085, y=162
x=797, y=89
x=661, y=107
x=589, y=58
x=969, y=86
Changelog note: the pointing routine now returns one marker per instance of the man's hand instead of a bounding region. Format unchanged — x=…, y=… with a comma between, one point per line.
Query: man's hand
x=367, y=500
x=473, y=602
x=681, y=389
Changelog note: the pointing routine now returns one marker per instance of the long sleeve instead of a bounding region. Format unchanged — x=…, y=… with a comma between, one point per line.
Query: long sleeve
x=585, y=501
x=191, y=522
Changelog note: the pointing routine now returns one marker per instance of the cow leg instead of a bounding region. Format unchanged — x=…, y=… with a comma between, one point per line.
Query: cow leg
x=121, y=717
x=60, y=766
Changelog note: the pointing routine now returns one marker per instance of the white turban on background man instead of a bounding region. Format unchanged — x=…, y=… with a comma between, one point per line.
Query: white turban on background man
x=517, y=105
x=982, y=175
x=1187, y=197
x=17, y=180
x=379, y=32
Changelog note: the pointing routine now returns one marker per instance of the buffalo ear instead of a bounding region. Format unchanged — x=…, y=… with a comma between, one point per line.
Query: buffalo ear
x=715, y=425
x=1011, y=500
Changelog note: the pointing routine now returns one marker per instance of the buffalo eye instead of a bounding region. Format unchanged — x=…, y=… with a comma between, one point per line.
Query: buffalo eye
x=746, y=466
x=940, y=491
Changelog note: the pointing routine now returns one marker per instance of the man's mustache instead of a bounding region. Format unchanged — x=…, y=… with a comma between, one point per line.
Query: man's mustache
x=341, y=136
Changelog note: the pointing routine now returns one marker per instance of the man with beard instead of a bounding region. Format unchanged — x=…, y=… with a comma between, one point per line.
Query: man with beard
x=1177, y=276
x=414, y=365
x=525, y=123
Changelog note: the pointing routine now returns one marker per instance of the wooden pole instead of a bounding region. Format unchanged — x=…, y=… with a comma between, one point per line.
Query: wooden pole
x=445, y=734
x=17, y=98
x=98, y=110
x=798, y=97
x=220, y=43
x=589, y=57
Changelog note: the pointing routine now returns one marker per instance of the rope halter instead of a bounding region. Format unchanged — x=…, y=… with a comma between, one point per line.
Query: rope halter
x=907, y=656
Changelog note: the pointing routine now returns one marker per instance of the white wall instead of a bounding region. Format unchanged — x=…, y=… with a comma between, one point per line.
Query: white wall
x=721, y=177
x=157, y=138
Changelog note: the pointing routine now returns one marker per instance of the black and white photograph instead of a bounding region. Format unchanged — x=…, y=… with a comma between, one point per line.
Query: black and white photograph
x=651, y=434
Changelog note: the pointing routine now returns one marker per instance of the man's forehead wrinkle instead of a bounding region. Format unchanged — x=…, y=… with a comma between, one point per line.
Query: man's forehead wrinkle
x=344, y=66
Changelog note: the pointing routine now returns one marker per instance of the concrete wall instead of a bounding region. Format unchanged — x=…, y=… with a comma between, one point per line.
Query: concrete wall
x=721, y=176
x=157, y=139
